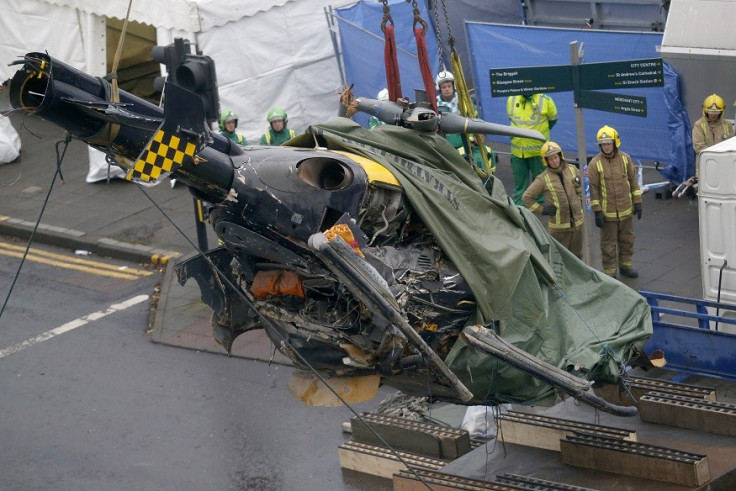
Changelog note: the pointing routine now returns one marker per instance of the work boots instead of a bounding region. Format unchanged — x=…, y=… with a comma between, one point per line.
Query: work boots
x=629, y=273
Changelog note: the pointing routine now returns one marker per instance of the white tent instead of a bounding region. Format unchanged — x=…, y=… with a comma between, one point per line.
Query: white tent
x=267, y=52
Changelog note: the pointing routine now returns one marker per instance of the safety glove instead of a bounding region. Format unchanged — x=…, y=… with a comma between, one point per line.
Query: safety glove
x=549, y=209
x=599, y=219
x=637, y=210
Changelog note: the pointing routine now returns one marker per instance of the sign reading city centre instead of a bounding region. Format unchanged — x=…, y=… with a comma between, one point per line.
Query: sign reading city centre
x=591, y=78
x=621, y=74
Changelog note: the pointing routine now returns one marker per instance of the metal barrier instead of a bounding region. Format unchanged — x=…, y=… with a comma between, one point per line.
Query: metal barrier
x=701, y=348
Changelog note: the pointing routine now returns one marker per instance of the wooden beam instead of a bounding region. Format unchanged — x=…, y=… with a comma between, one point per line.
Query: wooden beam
x=413, y=436
x=636, y=459
x=418, y=481
x=637, y=387
x=381, y=462
x=546, y=432
x=690, y=413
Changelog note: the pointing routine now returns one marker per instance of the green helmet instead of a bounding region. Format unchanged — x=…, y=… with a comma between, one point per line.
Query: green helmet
x=227, y=115
x=276, y=113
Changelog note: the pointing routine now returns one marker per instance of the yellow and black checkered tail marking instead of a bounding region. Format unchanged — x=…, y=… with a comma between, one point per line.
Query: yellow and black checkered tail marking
x=163, y=154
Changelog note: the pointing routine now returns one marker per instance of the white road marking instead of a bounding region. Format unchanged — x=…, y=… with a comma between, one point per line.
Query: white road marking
x=71, y=325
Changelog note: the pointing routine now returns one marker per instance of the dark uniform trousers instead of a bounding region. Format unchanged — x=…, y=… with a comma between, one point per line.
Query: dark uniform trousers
x=571, y=238
x=613, y=233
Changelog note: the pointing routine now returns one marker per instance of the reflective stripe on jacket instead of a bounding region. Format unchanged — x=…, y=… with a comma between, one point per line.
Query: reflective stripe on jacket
x=276, y=139
x=534, y=113
x=613, y=185
x=707, y=134
x=562, y=188
x=235, y=137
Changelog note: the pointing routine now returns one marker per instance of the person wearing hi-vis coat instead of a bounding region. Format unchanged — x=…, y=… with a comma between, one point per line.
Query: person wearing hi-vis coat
x=532, y=112
x=615, y=198
x=563, y=194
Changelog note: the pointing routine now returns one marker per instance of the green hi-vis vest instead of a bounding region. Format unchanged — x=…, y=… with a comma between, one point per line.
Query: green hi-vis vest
x=533, y=113
x=277, y=139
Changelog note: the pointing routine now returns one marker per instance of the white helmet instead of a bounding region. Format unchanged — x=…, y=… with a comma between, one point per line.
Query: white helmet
x=444, y=76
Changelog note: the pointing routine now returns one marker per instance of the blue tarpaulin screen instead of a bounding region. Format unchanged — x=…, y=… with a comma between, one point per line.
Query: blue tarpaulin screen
x=503, y=46
x=362, y=44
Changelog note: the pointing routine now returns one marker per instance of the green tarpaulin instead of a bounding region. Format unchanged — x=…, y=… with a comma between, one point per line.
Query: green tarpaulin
x=543, y=299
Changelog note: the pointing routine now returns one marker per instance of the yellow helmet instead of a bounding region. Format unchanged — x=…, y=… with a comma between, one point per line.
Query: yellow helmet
x=713, y=104
x=608, y=135
x=550, y=148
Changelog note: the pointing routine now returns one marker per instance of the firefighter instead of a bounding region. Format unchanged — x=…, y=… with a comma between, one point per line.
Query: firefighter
x=615, y=198
x=228, y=124
x=563, y=194
x=278, y=132
x=534, y=112
x=447, y=102
x=711, y=128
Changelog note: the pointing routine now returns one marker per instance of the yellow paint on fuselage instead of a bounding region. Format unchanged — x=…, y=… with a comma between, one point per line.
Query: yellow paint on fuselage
x=375, y=171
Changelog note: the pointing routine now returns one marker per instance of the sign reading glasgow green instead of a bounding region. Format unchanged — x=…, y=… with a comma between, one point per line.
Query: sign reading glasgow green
x=621, y=74
x=512, y=81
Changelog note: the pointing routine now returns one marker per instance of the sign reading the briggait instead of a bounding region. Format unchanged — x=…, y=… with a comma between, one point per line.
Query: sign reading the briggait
x=513, y=81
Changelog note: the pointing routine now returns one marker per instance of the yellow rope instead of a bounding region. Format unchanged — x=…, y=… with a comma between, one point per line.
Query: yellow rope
x=114, y=93
x=467, y=109
x=115, y=96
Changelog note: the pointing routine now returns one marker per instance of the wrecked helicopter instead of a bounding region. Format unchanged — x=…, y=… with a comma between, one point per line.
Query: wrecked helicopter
x=367, y=252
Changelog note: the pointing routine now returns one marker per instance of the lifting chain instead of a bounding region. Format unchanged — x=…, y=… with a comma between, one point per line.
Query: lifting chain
x=438, y=32
x=417, y=16
x=386, y=16
x=450, y=37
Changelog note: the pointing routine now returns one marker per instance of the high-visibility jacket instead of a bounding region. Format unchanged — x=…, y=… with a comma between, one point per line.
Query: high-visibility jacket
x=537, y=112
x=562, y=188
x=451, y=106
x=708, y=133
x=614, y=188
x=235, y=137
x=276, y=139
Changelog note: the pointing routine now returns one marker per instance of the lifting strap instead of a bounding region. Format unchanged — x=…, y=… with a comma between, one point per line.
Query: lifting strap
x=420, y=30
x=467, y=109
x=390, y=55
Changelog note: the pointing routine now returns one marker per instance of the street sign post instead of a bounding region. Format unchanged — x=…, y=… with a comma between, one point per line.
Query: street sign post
x=585, y=81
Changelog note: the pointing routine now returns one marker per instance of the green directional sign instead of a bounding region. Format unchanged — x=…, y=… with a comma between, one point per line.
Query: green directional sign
x=621, y=74
x=513, y=81
x=614, y=103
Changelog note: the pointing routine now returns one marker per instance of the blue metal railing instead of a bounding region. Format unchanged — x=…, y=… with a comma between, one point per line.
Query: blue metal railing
x=688, y=348
x=701, y=312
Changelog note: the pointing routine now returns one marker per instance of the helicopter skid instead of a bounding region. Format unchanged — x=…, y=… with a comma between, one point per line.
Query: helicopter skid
x=489, y=342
